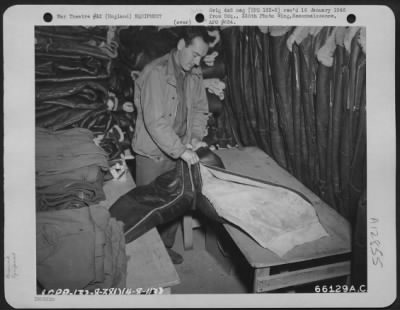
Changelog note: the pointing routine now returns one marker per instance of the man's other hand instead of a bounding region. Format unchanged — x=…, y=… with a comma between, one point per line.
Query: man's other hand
x=190, y=157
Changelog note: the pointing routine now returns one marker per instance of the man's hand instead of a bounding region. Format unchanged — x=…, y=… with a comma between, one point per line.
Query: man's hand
x=190, y=157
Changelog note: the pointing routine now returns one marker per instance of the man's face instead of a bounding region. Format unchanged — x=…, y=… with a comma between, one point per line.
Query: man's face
x=190, y=56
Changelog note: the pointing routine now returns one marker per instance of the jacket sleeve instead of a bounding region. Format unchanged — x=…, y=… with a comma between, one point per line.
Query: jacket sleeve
x=155, y=122
x=200, y=111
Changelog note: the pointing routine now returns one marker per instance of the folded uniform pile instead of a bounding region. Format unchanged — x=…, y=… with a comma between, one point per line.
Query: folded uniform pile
x=72, y=65
x=78, y=245
x=69, y=169
x=72, y=53
x=81, y=83
x=60, y=105
x=80, y=249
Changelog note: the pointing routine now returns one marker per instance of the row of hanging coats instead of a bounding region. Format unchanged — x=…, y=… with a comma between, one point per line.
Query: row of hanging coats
x=299, y=94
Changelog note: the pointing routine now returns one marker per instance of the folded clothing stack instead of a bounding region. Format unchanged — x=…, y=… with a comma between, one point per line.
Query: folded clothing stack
x=80, y=249
x=78, y=245
x=72, y=53
x=72, y=65
x=81, y=83
x=69, y=169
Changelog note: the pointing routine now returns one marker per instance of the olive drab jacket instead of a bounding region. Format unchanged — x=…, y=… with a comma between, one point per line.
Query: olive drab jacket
x=156, y=102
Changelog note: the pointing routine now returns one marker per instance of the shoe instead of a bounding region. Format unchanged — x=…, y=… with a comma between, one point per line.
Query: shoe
x=175, y=257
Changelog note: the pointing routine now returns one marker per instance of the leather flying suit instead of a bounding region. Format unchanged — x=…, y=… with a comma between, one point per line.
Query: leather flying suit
x=166, y=198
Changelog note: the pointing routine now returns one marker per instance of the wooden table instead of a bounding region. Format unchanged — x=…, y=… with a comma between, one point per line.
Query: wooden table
x=322, y=259
x=149, y=265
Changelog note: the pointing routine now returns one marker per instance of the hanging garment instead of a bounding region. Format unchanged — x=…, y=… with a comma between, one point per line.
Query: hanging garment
x=80, y=249
x=69, y=169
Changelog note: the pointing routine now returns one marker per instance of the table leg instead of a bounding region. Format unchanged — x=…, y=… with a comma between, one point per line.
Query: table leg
x=264, y=281
x=187, y=232
x=260, y=273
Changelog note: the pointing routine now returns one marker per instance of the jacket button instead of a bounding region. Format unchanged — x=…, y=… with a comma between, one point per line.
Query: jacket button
x=170, y=114
x=173, y=97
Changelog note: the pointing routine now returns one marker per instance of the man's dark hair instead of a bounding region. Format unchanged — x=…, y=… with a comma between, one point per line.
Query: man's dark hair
x=189, y=33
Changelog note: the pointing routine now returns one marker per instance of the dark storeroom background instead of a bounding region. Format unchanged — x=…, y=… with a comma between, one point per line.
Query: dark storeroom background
x=283, y=94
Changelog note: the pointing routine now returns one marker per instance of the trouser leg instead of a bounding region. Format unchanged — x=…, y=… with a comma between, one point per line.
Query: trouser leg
x=147, y=170
x=168, y=233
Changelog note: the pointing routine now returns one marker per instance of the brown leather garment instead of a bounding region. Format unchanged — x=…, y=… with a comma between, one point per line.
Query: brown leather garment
x=169, y=197
x=166, y=198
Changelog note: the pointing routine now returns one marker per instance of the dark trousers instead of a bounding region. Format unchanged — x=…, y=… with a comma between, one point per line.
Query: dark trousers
x=147, y=170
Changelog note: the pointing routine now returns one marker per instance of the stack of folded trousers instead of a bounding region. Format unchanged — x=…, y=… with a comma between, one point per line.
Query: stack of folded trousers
x=80, y=249
x=78, y=245
x=63, y=54
x=69, y=169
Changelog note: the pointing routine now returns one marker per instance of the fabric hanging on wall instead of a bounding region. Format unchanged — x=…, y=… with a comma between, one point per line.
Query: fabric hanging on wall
x=346, y=149
x=337, y=110
x=313, y=80
x=260, y=118
x=231, y=39
x=358, y=175
x=277, y=148
x=281, y=79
